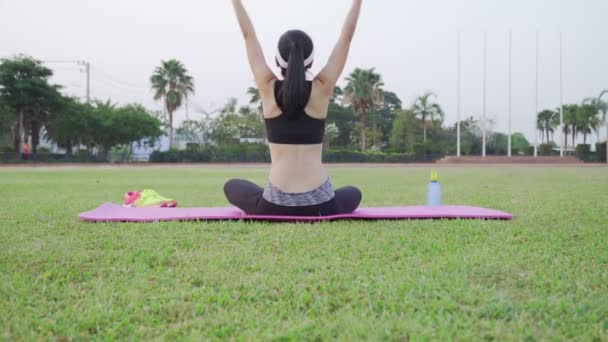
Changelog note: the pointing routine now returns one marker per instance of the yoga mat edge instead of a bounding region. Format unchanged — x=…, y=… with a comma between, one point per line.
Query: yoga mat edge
x=109, y=212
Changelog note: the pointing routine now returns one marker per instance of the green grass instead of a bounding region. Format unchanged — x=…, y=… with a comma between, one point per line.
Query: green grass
x=543, y=276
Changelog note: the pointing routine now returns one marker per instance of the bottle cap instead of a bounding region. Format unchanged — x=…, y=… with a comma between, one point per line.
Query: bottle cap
x=434, y=176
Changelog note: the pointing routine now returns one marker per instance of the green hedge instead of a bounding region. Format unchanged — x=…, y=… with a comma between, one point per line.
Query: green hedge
x=600, y=151
x=243, y=153
x=6, y=149
x=583, y=152
x=13, y=157
x=348, y=156
x=258, y=153
x=545, y=150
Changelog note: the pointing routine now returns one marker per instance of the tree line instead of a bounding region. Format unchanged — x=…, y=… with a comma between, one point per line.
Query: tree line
x=363, y=115
x=578, y=119
x=32, y=108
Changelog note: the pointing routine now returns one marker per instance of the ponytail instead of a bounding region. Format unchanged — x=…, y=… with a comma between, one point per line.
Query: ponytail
x=295, y=91
x=295, y=55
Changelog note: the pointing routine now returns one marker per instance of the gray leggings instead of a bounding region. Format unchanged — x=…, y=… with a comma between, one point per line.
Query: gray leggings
x=247, y=196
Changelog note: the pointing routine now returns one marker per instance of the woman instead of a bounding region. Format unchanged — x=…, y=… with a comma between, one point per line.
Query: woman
x=295, y=110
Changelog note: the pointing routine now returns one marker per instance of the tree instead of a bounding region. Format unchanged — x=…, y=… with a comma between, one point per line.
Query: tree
x=25, y=89
x=403, y=131
x=331, y=134
x=546, y=123
x=427, y=110
x=38, y=117
x=519, y=143
x=555, y=121
x=570, y=123
x=7, y=117
x=250, y=126
x=363, y=92
x=256, y=100
x=225, y=129
x=67, y=125
x=172, y=84
x=337, y=95
x=343, y=118
x=587, y=120
x=470, y=136
x=193, y=131
x=111, y=126
x=600, y=108
x=497, y=143
x=383, y=118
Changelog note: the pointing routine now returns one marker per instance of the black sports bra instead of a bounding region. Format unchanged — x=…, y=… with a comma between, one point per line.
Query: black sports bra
x=303, y=130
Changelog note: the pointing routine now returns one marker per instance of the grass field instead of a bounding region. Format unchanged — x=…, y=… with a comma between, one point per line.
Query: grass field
x=543, y=276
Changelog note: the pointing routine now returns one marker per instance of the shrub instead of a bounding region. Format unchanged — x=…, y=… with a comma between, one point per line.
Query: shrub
x=600, y=150
x=545, y=150
x=242, y=153
x=352, y=156
x=583, y=152
x=258, y=153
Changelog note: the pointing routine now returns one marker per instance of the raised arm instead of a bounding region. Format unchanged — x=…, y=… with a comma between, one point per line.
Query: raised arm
x=331, y=72
x=262, y=73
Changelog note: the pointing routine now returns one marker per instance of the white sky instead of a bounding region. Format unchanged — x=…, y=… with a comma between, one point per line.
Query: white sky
x=411, y=43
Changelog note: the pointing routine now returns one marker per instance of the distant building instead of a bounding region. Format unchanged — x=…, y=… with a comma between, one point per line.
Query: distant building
x=252, y=140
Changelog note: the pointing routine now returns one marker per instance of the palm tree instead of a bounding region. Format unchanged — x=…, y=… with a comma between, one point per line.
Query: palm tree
x=587, y=120
x=256, y=99
x=427, y=111
x=336, y=95
x=555, y=122
x=172, y=84
x=363, y=92
x=570, y=123
x=540, y=127
x=546, y=123
x=600, y=107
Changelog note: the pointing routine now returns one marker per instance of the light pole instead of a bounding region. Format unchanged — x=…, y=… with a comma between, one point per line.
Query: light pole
x=458, y=101
x=561, y=97
x=605, y=92
x=87, y=70
x=536, y=102
x=510, y=90
x=485, y=81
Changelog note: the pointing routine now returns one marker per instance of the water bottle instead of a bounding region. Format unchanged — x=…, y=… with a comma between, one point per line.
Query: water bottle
x=433, y=194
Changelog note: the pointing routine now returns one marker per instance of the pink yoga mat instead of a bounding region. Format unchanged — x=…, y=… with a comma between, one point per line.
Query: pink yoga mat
x=115, y=213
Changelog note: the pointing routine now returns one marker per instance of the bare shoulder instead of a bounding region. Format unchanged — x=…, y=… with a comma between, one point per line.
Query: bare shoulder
x=269, y=104
x=319, y=100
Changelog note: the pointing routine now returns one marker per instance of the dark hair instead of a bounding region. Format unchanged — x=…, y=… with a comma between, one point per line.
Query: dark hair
x=295, y=46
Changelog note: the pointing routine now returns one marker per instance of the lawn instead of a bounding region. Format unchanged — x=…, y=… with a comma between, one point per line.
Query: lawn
x=542, y=276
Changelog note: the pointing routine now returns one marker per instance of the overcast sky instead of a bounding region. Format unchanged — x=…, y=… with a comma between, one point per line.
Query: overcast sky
x=412, y=44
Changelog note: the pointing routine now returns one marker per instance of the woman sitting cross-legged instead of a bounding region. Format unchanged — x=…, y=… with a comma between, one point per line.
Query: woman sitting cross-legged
x=295, y=110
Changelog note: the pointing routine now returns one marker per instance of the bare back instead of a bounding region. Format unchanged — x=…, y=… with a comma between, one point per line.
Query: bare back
x=298, y=168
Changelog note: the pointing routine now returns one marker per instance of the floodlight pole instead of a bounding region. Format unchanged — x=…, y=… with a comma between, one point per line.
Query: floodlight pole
x=485, y=81
x=458, y=100
x=536, y=102
x=510, y=90
x=561, y=97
